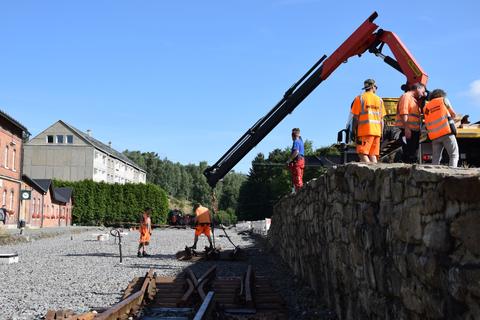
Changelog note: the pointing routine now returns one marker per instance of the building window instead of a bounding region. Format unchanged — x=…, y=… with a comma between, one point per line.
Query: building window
x=4, y=198
x=12, y=194
x=59, y=138
x=49, y=139
x=13, y=159
x=69, y=139
x=6, y=157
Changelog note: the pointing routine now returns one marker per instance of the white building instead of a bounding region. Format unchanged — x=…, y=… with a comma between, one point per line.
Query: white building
x=63, y=152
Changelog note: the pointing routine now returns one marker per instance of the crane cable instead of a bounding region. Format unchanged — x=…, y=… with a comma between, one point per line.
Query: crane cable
x=214, y=210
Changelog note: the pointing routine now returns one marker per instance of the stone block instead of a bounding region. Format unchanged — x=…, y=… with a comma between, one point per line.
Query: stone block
x=436, y=236
x=466, y=229
x=8, y=258
x=409, y=227
x=383, y=186
x=397, y=192
x=433, y=202
x=412, y=189
x=385, y=212
x=463, y=189
x=452, y=209
x=472, y=280
x=409, y=298
x=425, y=174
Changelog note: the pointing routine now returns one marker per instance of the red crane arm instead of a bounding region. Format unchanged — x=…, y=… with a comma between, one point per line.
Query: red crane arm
x=367, y=38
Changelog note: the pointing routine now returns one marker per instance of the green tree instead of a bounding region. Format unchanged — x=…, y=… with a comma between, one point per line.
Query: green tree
x=269, y=180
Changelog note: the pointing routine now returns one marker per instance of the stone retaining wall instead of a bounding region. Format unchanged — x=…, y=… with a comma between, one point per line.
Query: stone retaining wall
x=386, y=241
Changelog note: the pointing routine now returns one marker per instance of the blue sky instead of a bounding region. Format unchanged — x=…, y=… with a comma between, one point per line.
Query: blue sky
x=187, y=78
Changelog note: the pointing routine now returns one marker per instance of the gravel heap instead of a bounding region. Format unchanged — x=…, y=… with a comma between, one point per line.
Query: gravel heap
x=74, y=271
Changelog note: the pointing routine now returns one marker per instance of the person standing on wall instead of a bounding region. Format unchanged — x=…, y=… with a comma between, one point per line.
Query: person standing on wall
x=367, y=113
x=439, y=114
x=296, y=161
x=145, y=232
x=202, y=224
x=408, y=119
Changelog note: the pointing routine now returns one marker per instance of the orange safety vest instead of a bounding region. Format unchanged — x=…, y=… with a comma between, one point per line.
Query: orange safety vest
x=144, y=222
x=413, y=120
x=436, y=118
x=369, y=109
x=203, y=215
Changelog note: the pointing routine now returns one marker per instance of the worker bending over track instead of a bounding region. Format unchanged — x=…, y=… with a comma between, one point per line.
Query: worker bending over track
x=368, y=112
x=202, y=224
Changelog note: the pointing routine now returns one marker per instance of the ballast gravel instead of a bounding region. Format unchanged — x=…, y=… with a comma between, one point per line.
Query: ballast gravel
x=77, y=272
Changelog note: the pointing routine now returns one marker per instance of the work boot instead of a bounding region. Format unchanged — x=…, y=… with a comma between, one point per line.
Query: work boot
x=139, y=254
x=145, y=254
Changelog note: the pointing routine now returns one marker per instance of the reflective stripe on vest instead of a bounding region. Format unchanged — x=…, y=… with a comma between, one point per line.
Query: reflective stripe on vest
x=436, y=118
x=439, y=128
x=431, y=123
x=370, y=121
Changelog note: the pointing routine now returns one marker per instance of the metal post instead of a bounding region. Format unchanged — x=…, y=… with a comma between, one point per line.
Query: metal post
x=120, y=245
x=117, y=233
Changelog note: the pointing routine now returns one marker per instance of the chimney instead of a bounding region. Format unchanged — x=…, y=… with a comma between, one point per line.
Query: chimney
x=110, y=144
x=89, y=132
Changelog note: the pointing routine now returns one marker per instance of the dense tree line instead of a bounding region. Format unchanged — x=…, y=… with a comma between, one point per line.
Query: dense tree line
x=99, y=203
x=187, y=181
x=269, y=180
x=248, y=197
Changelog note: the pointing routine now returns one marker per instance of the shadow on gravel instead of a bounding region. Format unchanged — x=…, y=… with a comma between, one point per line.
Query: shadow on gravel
x=96, y=254
x=152, y=265
x=161, y=256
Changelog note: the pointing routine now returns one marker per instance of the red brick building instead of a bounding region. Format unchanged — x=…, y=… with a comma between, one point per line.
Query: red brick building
x=12, y=135
x=47, y=206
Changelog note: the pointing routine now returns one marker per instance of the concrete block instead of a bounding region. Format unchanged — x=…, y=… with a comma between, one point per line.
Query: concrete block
x=8, y=258
x=103, y=237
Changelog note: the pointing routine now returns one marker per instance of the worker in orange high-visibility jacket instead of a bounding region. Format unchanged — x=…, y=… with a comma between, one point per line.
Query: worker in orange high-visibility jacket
x=438, y=115
x=368, y=112
x=202, y=224
x=145, y=232
x=408, y=120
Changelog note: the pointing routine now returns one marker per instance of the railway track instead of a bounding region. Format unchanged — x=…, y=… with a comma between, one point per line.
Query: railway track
x=190, y=296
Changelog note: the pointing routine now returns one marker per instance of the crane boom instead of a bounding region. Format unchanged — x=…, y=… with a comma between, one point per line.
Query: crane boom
x=364, y=38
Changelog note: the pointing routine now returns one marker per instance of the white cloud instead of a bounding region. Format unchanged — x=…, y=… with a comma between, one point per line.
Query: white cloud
x=474, y=91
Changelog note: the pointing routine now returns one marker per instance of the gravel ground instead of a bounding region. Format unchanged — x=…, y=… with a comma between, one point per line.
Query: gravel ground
x=73, y=271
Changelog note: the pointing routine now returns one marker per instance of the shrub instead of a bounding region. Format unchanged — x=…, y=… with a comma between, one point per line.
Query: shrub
x=98, y=203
